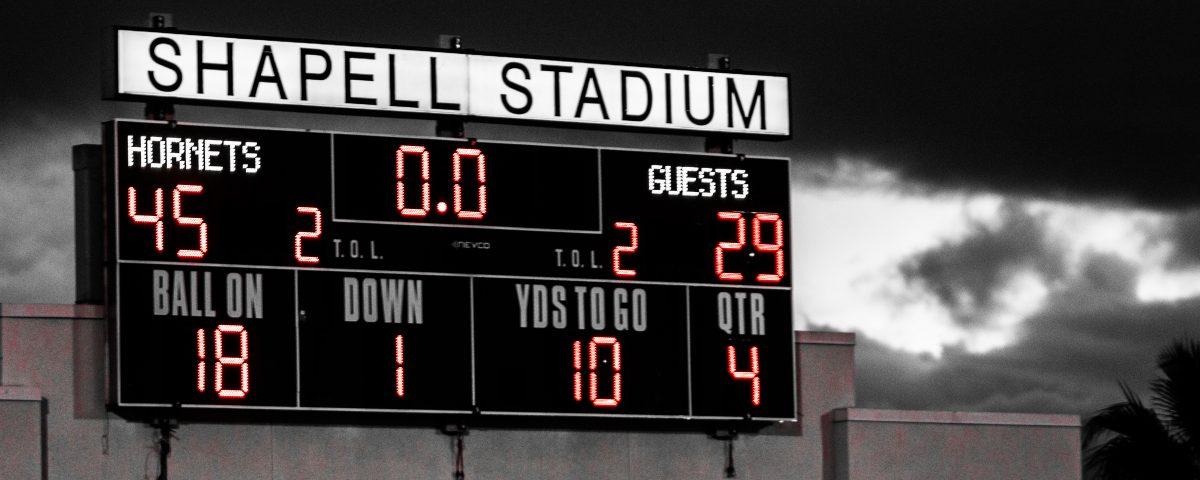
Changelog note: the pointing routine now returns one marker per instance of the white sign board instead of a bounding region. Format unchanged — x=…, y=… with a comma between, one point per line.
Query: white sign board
x=209, y=68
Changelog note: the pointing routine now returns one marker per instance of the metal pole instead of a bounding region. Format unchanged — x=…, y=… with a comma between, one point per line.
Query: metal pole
x=719, y=143
x=159, y=110
x=87, y=162
x=450, y=127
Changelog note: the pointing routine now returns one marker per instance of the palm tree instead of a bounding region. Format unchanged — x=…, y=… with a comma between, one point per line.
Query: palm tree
x=1130, y=441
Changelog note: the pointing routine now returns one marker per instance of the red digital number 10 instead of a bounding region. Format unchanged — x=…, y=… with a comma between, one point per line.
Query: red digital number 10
x=593, y=379
x=775, y=247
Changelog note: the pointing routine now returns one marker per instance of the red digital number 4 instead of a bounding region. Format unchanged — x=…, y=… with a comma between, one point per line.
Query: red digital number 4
x=746, y=375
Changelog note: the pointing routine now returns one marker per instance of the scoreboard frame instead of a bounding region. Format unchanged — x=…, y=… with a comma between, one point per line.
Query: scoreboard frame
x=112, y=213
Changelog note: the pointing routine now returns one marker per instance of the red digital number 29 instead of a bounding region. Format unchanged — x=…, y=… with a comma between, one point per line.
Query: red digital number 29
x=775, y=247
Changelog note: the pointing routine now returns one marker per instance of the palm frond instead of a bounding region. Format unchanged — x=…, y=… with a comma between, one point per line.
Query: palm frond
x=1127, y=441
x=1177, y=392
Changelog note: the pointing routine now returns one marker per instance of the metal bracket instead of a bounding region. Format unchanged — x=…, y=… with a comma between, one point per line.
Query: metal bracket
x=158, y=110
x=727, y=435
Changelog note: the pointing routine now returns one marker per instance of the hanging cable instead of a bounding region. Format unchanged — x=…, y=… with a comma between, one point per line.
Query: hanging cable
x=458, y=431
x=730, y=469
x=458, y=459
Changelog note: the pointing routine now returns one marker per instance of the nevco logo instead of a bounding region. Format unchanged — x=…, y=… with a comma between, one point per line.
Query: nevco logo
x=461, y=244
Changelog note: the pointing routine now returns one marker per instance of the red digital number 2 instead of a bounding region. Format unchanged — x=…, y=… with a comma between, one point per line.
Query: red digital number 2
x=311, y=235
x=619, y=249
x=722, y=247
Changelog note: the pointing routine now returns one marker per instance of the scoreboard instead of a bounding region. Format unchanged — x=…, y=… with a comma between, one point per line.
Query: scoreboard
x=271, y=271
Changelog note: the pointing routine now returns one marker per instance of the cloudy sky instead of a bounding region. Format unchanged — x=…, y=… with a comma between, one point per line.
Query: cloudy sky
x=1001, y=197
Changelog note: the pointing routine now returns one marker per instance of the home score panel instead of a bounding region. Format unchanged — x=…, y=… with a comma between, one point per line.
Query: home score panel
x=285, y=270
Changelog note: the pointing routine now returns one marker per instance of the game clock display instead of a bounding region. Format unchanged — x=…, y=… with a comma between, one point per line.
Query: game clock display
x=270, y=270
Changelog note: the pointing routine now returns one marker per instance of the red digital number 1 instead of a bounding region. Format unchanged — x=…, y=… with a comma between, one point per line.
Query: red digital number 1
x=400, y=366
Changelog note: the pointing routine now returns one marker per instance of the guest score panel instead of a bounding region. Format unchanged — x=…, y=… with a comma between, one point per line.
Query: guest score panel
x=268, y=270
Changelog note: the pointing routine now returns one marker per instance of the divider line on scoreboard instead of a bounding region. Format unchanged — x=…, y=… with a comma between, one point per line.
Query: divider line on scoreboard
x=687, y=328
x=332, y=180
x=478, y=227
x=115, y=315
x=451, y=274
x=471, y=302
x=296, y=315
x=600, y=190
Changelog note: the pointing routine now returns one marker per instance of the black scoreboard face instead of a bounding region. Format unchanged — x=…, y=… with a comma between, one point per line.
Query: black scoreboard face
x=284, y=270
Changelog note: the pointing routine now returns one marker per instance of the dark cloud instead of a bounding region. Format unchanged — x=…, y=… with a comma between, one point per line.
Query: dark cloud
x=1067, y=358
x=967, y=274
x=1062, y=99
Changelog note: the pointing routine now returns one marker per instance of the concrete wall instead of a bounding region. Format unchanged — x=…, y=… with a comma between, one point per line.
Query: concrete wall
x=21, y=430
x=59, y=349
x=901, y=445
